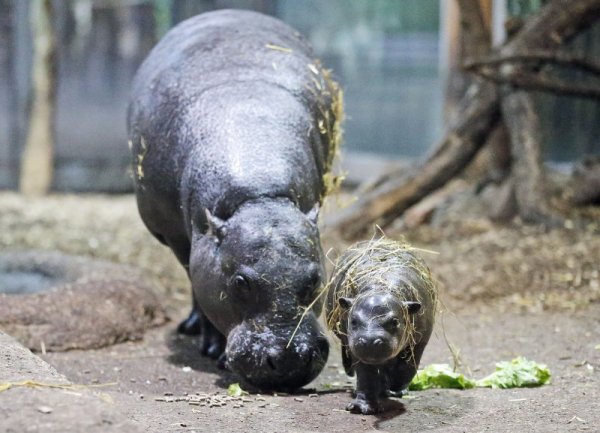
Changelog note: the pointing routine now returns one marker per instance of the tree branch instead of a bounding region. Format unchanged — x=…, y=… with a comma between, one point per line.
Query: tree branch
x=530, y=80
x=556, y=22
x=554, y=57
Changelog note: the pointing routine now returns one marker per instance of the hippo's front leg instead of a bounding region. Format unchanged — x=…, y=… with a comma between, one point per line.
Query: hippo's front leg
x=368, y=390
x=192, y=325
x=212, y=342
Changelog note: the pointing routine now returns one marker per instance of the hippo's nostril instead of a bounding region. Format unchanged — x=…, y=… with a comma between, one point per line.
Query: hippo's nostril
x=378, y=342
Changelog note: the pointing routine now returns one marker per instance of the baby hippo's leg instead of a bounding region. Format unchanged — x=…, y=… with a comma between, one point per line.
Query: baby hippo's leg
x=369, y=387
x=400, y=372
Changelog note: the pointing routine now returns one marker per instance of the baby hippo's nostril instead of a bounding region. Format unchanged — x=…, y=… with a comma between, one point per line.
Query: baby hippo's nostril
x=377, y=342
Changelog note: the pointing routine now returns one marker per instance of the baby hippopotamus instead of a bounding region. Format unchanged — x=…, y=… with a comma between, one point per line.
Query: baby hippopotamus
x=381, y=305
x=233, y=125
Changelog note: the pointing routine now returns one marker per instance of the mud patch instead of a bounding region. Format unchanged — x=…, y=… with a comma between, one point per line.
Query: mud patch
x=53, y=301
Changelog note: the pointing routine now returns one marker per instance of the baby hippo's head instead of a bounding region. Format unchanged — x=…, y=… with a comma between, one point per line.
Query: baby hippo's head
x=378, y=326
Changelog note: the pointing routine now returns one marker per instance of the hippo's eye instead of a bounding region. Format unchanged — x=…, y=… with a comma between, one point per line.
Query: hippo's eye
x=395, y=322
x=392, y=322
x=353, y=323
x=241, y=283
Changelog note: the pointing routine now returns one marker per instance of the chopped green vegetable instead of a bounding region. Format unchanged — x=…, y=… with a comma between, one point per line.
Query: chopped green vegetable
x=519, y=372
x=439, y=376
x=235, y=390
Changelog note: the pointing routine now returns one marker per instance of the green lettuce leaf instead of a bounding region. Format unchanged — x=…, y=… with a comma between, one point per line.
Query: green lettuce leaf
x=439, y=376
x=235, y=390
x=520, y=372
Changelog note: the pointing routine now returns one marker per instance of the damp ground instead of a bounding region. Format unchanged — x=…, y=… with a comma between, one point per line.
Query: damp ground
x=507, y=291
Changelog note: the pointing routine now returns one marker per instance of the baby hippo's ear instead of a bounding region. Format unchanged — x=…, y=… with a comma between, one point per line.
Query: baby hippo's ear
x=346, y=303
x=216, y=226
x=412, y=307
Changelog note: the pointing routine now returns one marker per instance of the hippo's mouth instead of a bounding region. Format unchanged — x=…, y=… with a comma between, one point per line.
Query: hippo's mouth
x=262, y=356
x=373, y=353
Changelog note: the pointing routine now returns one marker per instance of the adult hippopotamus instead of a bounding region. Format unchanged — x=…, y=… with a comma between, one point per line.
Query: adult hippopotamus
x=233, y=126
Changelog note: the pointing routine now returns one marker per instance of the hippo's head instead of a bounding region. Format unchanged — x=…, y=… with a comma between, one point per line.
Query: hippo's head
x=377, y=326
x=270, y=270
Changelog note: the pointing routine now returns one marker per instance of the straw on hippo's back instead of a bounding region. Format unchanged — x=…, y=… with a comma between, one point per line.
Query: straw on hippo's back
x=233, y=127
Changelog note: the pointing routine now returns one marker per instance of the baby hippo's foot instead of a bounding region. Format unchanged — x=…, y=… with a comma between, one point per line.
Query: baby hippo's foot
x=361, y=405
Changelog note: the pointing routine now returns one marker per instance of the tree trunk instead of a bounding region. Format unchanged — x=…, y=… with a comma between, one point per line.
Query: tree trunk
x=38, y=156
x=467, y=25
x=556, y=22
x=474, y=116
x=479, y=113
x=523, y=122
x=567, y=18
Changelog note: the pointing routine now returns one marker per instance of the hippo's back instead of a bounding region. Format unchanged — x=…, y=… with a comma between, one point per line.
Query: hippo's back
x=230, y=106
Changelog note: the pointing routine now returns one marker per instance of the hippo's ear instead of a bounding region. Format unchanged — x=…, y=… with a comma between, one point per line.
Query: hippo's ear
x=412, y=307
x=313, y=214
x=216, y=226
x=346, y=303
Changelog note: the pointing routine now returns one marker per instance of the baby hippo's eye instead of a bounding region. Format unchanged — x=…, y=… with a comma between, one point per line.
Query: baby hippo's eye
x=392, y=322
x=353, y=323
x=241, y=283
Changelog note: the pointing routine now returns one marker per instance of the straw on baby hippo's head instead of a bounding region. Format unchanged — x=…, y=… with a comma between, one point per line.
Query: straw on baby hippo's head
x=380, y=265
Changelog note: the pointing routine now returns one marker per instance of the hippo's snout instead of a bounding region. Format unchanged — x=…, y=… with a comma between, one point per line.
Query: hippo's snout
x=372, y=349
x=260, y=353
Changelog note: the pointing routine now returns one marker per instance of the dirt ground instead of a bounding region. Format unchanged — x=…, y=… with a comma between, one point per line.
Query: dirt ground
x=507, y=291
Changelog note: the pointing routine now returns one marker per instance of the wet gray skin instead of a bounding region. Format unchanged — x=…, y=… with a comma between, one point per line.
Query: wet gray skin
x=376, y=325
x=381, y=305
x=257, y=275
x=229, y=155
x=376, y=348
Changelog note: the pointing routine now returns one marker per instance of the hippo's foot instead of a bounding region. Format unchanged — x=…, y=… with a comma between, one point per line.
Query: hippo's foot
x=192, y=325
x=212, y=342
x=361, y=405
x=222, y=362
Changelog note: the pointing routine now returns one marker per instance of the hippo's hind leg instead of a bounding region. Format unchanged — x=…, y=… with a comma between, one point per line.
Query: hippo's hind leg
x=401, y=371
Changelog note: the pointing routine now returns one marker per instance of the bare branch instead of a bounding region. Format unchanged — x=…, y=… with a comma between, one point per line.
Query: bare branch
x=529, y=80
x=555, y=23
x=553, y=57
